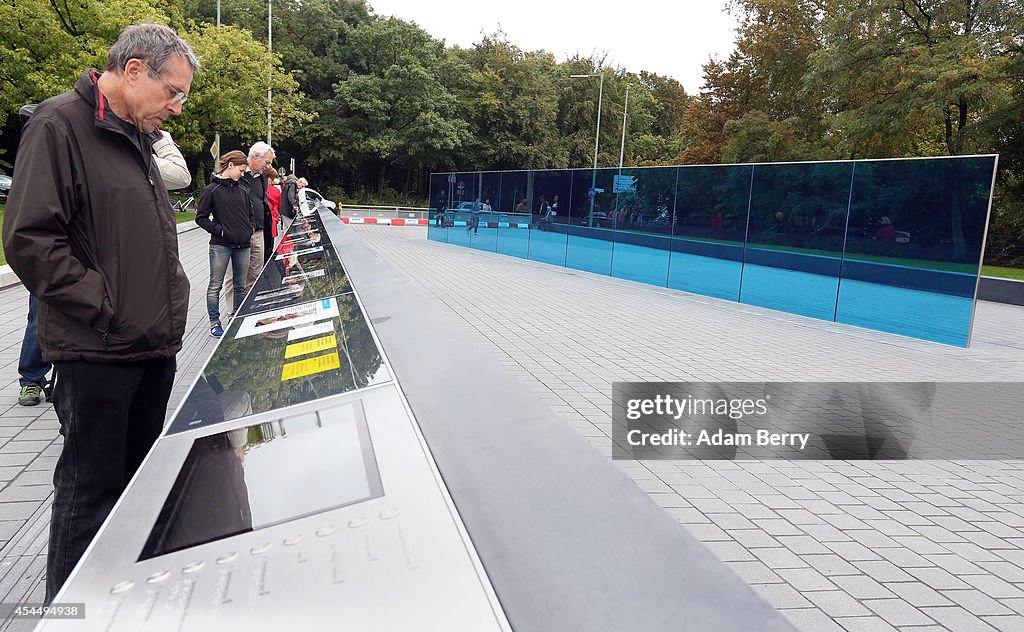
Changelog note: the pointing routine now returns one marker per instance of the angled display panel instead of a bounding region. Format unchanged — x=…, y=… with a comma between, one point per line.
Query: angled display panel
x=284, y=357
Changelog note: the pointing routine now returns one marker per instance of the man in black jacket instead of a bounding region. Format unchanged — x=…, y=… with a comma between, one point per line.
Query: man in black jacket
x=262, y=248
x=90, y=232
x=289, y=198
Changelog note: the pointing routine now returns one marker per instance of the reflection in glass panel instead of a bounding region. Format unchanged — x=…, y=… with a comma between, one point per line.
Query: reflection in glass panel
x=464, y=192
x=709, y=229
x=795, y=237
x=550, y=191
x=645, y=201
x=253, y=477
x=439, y=198
x=515, y=218
x=304, y=266
x=482, y=225
x=914, y=246
x=589, y=221
x=284, y=357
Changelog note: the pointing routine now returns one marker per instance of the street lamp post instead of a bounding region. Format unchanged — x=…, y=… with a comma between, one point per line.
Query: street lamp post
x=622, y=147
x=270, y=72
x=597, y=139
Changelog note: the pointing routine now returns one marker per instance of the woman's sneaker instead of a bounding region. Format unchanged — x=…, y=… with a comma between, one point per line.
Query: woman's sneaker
x=216, y=330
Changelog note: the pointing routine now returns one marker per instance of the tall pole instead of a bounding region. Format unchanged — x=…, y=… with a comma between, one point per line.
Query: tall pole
x=597, y=140
x=622, y=147
x=216, y=135
x=270, y=71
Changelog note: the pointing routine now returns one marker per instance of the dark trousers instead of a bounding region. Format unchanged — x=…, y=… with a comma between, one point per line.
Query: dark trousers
x=268, y=245
x=31, y=366
x=110, y=415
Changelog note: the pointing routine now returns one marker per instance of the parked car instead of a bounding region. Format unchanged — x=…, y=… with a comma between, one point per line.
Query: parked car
x=5, y=188
x=600, y=219
x=310, y=200
x=468, y=207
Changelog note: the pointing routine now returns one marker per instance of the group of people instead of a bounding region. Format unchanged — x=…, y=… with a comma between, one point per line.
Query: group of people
x=91, y=233
x=242, y=208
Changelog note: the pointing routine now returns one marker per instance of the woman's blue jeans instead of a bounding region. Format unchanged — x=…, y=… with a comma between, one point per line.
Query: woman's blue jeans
x=219, y=258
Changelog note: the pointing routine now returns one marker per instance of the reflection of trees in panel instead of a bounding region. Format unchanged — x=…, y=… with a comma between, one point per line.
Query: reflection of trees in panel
x=940, y=205
x=253, y=364
x=801, y=205
x=712, y=201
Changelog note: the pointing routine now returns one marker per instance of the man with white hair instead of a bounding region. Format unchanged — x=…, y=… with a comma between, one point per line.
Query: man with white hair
x=261, y=155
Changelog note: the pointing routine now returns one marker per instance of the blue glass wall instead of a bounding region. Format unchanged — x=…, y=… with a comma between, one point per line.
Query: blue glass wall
x=892, y=245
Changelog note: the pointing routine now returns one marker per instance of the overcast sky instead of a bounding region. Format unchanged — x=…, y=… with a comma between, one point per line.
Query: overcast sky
x=669, y=38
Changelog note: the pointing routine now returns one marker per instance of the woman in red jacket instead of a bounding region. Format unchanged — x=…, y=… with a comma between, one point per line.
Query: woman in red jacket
x=273, y=196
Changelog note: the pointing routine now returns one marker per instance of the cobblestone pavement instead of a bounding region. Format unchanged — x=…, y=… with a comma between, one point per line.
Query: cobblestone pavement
x=856, y=546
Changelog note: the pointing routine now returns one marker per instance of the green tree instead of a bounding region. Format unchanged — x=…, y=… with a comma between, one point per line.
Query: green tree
x=510, y=101
x=910, y=77
x=392, y=108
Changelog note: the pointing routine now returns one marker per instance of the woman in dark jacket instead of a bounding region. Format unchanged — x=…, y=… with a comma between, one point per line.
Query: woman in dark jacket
x=225, y=211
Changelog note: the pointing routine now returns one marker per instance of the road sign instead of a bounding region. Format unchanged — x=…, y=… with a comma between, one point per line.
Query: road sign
x=291, y=165
x=215, y=148
x=624, y=184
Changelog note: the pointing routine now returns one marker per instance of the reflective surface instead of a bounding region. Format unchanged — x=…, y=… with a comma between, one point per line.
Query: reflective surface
x=304, y=266
x=893, y=245
x=283, y=357
x=253, y=477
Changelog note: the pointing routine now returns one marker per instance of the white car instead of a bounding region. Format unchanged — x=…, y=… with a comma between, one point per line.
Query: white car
x=310, y=200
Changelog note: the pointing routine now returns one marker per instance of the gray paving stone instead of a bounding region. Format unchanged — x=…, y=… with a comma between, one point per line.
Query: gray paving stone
x=776, y=558
x=883, y=571
x=897, y=612
x=1009, y=623
x=811, y=620
x=863, y=587
x=918, y=594
x=782, y=596
x=976, y=602
x=865, y=624
x=805, y=579
x=755, y=573
x=958, y=620
x=836, y=603
x=831, y=565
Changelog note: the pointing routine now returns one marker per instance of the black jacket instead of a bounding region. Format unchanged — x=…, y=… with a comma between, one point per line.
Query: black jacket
x=260, y=204
x=225, y=211
x=90, y=232
x=289, y=200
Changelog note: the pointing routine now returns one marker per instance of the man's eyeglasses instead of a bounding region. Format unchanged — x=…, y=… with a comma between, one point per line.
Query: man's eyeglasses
x=179, y=96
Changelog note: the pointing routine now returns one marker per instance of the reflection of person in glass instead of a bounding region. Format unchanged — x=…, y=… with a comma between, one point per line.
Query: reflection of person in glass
x=886, y=231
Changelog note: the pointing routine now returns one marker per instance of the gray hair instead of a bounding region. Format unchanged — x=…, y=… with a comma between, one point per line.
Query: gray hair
x=259, y=149
x=153, y=44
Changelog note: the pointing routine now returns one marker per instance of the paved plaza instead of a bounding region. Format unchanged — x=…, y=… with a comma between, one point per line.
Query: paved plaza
x=855, y=546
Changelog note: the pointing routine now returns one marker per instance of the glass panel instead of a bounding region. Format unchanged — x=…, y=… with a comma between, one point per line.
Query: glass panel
x=483, y=226
x=464, y=191
x=911, y=260
x=514, y=218
x=646, y=201
x=439, y=196
x=253, y=477
x=547, y=240
x=304, y=267
x=795, y=237
x=283, y=357
x=709, y=229
x=590, y=221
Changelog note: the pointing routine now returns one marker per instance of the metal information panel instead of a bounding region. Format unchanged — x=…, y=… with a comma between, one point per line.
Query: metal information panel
x=293, y=488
